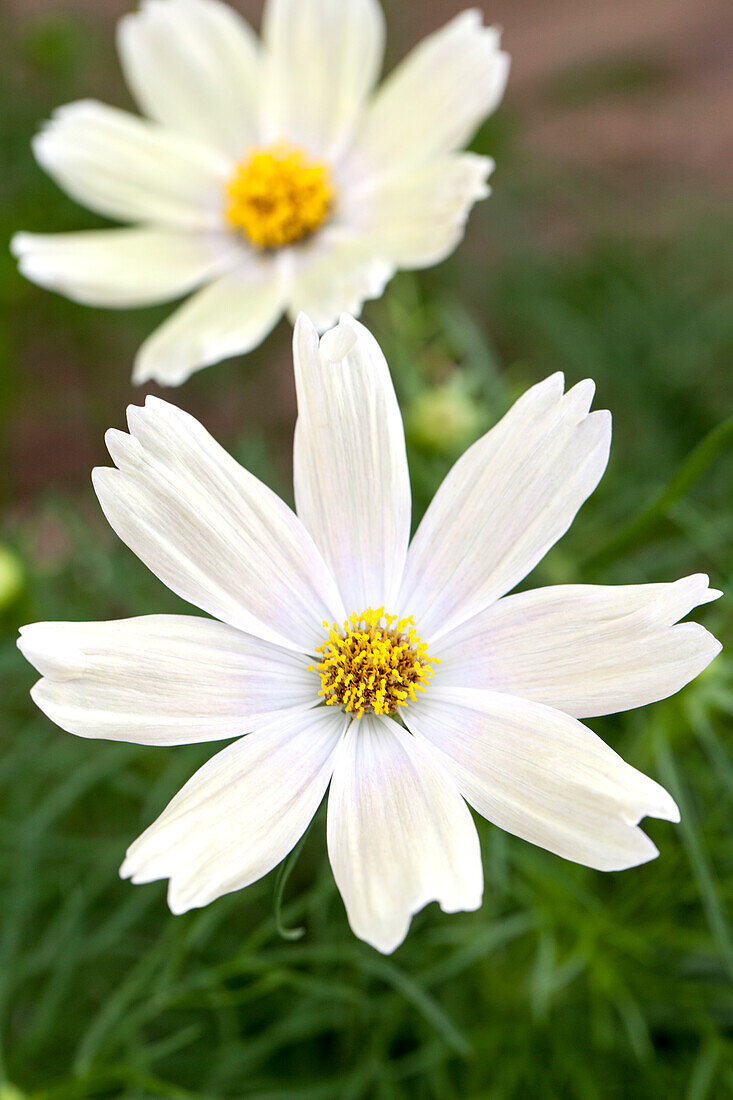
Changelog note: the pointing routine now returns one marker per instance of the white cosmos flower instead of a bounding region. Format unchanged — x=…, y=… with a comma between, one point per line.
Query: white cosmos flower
x=476, y=699
x=267, y=177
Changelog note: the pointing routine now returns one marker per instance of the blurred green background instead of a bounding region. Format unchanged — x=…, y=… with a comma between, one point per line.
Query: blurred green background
x=604, y=251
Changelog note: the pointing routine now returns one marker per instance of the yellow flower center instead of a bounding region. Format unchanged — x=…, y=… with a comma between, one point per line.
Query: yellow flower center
x=375, y=664
x=277, y=196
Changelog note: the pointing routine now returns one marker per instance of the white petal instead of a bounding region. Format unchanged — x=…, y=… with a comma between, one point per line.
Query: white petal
x=542, y=775
x=352, y=486
x=229, y=317
x=323, y=59
x=506, y=501
x=335, y=274
x=123, y=267
x=584, y=649
x=211, y=531
x=242, y=812
x=437, y=97
x=194, y=66
x=127, y=168
x=399, y=833
x=161, y=679
x=417, y=216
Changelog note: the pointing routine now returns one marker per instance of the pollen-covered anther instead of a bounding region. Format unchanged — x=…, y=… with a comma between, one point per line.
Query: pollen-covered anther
x=278, y=195
x=375, y=664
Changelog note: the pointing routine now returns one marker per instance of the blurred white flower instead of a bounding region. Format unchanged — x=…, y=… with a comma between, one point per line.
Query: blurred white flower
x=267, y=176
x=440, y=687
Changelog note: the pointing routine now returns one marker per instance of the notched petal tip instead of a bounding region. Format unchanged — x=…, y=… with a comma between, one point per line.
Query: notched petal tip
x=303, y=327
x=26, y=632
x=697, y=585
x=543, y=394
x=154, y=404
x=603, y=422
x=177, y=904
x=580, y=397
x=471, y=16
x=483, y=167
x=145, y=369
x=669, y=810
x=386, y=941
x=305, y=340
x=646, y=852
x=132, y=868
x=134, y=414
x=111, y=438
x=339, y=341
x=473, y=19
x=658, y=804
x=103, y=478
x=555, y=383
x=27, y=642
x=637, y=850
x=41, y=645
x=149, y=11
x=645, y=797
x=136, y=871
x=142, y=373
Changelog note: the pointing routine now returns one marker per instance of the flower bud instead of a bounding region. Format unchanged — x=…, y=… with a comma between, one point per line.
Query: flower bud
x=445, y=418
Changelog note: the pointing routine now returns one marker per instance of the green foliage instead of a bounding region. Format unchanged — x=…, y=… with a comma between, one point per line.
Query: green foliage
x=566, y=982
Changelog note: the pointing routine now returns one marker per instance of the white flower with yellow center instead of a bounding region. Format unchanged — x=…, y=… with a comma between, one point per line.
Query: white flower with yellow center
x=403, y=675
x=268, y=177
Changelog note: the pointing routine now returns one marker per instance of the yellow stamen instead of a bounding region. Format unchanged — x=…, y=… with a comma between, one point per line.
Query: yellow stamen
x=376, y=664
x=277, y=196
